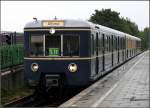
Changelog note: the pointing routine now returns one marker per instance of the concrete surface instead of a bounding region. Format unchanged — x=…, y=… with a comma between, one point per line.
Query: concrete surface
x=127, y=86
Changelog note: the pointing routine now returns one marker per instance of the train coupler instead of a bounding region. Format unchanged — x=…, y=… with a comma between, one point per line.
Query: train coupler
x=52, y=80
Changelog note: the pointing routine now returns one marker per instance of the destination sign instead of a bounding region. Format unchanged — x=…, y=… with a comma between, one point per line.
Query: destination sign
x=53, y=51
x=57, y=23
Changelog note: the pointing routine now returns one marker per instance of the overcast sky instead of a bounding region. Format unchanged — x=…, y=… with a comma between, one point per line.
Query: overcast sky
x=15, y=14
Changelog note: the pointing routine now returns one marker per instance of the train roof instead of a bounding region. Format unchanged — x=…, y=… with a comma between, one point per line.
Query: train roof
x=67, y=23
x=79, y=23
x=132, y=37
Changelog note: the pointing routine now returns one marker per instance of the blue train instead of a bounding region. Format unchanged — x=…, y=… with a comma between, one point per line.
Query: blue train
x=73, y=53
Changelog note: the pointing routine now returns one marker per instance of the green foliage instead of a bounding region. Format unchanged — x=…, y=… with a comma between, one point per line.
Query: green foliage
x=109, y=18
x=145, y=36
x=106, y=17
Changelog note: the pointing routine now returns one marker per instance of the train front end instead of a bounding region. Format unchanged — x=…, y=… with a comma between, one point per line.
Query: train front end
x=57, y=53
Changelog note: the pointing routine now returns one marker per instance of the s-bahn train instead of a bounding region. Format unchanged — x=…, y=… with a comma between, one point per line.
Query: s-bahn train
x=73, y=52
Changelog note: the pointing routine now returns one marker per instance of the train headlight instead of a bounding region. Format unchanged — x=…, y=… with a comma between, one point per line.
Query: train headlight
x=72, y=67
x=34, y=67
x=52, y=31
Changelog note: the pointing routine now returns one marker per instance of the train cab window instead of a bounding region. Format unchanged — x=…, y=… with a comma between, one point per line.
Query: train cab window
x=36, y=46
x=52, y=45
x=70, y=45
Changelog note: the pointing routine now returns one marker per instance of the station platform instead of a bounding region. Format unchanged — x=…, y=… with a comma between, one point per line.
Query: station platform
x=126, y=86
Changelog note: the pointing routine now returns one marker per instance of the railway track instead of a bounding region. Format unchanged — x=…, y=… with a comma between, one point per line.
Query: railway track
x=41, y=101
x=19, y=102
x=28, y=101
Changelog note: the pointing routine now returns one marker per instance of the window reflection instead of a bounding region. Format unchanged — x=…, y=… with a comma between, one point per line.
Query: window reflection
x=36, y=45
x=53, y=45
x=70, y=45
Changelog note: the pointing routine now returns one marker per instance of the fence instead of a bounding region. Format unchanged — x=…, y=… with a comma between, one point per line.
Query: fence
x=11, y=55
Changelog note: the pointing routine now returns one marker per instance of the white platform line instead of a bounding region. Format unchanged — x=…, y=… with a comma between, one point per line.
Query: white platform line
x=105, y=95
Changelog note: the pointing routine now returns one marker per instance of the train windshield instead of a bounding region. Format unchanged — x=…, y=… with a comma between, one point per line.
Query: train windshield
x=37, y=46
x=70, y=45
x=62, y=45
x=55, y=45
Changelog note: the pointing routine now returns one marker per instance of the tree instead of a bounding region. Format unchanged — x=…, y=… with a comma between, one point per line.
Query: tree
x=106, y=17
x=109, y=18
x=145, y=36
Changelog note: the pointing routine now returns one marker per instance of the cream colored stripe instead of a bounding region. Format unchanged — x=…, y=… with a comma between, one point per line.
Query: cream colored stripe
x=79, y=58
x=86, y=58
x=74, y=58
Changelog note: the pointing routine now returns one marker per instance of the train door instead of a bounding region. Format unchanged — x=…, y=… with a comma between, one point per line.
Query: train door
x=97, y=54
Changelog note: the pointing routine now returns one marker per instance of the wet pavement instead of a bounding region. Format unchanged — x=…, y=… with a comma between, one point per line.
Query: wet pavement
x=127, y=86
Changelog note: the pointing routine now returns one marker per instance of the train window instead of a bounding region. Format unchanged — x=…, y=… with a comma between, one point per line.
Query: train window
x=115, y=43
x=121, y=43
x=109, y=44
x=124, y=43
x=100, y=44
x=92, y=44
x=118, y=45
x=112, y=42
x=70, y=45
x=52, y=45
x=103, y=42
x=36, y=46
